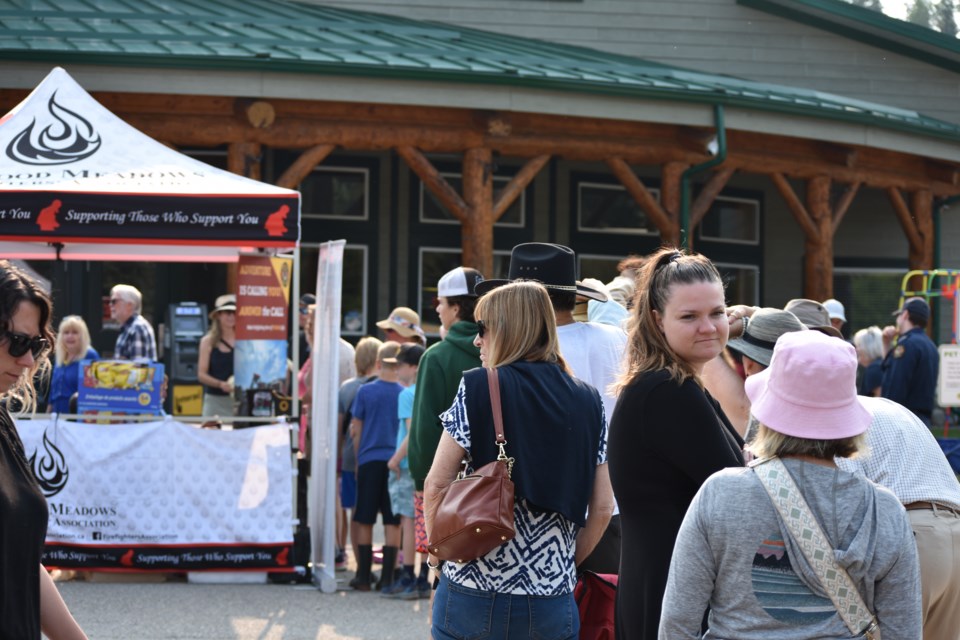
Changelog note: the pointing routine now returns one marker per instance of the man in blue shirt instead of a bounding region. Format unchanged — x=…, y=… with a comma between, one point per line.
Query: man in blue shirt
x=910, y=368
x=136, y=340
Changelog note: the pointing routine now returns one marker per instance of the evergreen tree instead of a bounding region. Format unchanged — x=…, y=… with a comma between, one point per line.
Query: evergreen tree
x=919, y=13
x=944, y=17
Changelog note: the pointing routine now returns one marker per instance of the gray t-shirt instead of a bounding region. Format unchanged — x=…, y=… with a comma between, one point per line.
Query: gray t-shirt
x=732, y=554
x=348, y=391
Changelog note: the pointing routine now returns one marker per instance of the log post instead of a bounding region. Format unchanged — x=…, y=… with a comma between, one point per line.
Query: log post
x=818, y=267
x=477, y=229
x=670, y=176
x=244, y=158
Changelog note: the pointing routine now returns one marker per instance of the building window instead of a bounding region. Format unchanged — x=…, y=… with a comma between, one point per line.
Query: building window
x=433, y=212
x=215, y=156
x=336, y=193
x=608, y=208
x=602, y=268
x=436, y=261
x=353, y=300
x=732, y=220
x=868, y=295
x=742, y=282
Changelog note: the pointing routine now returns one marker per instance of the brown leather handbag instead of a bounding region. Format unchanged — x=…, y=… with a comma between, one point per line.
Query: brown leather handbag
x=475, y=514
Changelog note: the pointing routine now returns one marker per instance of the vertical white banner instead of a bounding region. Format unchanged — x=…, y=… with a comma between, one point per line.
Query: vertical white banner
x=325, y=358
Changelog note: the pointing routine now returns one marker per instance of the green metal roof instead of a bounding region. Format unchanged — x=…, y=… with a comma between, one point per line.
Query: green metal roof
x=289, y=36
x=870, y=27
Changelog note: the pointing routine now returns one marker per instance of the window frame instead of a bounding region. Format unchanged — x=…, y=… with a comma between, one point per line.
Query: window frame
x=322, y=168
x=522, y=199
x=756, y=222
x=654, y=191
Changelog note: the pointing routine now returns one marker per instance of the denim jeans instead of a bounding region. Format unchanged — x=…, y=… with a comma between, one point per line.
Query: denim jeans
x=460, y=613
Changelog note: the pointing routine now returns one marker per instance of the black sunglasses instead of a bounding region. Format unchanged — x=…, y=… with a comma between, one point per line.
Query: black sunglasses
x=20, y=343
x=481, y=328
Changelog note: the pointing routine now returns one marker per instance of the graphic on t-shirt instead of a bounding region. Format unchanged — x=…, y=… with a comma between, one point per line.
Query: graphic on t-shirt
x=780, y=592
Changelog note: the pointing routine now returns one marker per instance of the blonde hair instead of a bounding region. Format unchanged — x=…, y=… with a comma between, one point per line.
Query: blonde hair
x=870, y=342
x=60, y=349
x=647, y=346
x=769, y=443
x=521, y=324
x=366, y=354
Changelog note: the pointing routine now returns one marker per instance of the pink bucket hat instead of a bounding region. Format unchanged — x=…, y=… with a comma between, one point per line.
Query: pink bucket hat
x=810, y=389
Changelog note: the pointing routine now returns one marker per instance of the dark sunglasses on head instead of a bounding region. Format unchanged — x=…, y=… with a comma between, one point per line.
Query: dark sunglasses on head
x=481, y=328
x=20, y=343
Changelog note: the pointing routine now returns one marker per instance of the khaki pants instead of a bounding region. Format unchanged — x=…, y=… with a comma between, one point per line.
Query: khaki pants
x=937, y=532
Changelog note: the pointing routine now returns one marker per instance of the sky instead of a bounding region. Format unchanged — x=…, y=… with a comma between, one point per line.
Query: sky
x=895, y=8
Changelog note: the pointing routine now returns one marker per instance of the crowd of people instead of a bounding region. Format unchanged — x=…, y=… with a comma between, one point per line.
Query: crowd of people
x=656, y=432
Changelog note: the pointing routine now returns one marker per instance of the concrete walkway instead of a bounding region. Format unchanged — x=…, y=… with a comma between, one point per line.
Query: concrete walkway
x=176, y=609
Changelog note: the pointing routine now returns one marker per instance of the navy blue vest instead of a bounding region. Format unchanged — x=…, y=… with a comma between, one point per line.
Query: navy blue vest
x=552, y=423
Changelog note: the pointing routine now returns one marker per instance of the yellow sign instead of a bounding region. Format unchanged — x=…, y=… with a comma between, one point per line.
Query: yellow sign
x=187, y=399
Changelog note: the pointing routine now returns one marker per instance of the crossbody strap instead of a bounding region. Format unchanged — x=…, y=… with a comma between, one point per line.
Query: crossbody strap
x=493, y=380
x=809, y=536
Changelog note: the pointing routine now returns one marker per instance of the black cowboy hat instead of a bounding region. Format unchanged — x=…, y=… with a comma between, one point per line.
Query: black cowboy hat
x=552, y=265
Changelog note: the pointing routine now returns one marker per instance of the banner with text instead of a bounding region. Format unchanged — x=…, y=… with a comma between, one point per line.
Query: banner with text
x=260, y=355
x=163, y=495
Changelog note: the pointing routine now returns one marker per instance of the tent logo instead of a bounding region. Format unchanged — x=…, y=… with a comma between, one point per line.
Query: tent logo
x=50, y=469
x=67, y=138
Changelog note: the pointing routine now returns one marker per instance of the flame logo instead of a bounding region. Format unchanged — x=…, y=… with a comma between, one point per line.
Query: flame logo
x=51, y=469
x=69, y=138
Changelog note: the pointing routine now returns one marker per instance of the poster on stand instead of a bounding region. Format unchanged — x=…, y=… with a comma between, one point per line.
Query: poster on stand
x=163, y=495
x=260, y=356
x=120, y=387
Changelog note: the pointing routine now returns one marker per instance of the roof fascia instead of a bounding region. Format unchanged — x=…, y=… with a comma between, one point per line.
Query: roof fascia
x=869, y=27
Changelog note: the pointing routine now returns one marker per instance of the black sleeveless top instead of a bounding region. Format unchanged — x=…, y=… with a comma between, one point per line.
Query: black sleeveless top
x=23, y=529
x=553, y=423
x=221, y=367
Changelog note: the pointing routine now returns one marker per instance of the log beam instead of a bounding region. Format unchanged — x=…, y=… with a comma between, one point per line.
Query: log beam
x=844, y=205
x=303, y=165
x=707, y=195
x=900, y=208
x=793, y=203
x=512, y=191
x=667, y=226
x=439, y=187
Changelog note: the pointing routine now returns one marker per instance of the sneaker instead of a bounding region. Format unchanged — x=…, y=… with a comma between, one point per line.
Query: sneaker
x=423, y=589
x=340, y=560
x=378, y=555
x=398, y=588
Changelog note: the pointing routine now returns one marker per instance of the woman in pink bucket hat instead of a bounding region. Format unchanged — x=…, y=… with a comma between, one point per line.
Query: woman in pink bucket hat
x=738, y=556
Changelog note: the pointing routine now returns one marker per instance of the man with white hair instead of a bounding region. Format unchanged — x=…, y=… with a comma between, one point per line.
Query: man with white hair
x=136, y=340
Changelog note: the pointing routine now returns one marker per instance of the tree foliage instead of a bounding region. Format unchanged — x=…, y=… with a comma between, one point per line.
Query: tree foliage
x=919, y=13
x=868, y=4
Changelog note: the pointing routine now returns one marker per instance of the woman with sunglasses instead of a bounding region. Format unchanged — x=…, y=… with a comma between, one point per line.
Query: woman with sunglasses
x=667, y=435
x=29, y=600
x=72, y=346
x=556, y=431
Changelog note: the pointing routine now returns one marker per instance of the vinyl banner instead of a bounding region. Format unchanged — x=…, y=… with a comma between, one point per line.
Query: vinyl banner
x=119, y=387
x=163, y=495
x=260, y=356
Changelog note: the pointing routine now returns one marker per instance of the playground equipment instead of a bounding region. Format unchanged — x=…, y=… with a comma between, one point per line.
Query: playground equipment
x=944, y=284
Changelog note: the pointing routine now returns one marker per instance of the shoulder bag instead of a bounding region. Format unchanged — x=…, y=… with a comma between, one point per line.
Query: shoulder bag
x=475, y=514
x=808, y=535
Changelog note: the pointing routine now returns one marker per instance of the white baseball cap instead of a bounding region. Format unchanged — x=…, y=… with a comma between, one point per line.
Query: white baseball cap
x=462, y=281
x=835, y=309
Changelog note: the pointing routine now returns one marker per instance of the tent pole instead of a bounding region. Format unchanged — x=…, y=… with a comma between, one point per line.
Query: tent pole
x=295, y=341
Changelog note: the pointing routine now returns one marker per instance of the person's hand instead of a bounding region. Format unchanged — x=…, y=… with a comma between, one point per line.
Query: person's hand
x=735, y=316
x=394, y=464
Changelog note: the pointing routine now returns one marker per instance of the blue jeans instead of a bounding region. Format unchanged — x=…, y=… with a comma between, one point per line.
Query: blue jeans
x=460, y=613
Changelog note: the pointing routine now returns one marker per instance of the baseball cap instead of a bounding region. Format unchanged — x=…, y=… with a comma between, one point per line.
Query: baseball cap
x=462, y=281
x=916, y=306
x=835, y=308
x=388, y=351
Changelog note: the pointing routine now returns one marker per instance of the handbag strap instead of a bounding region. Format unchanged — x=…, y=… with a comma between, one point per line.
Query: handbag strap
x=493, y=381
x=809, y=536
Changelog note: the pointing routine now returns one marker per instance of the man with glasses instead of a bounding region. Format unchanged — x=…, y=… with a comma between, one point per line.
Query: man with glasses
x=136, y=340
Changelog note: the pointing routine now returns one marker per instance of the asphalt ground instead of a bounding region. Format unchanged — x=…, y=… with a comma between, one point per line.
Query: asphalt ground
x=175, y=608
